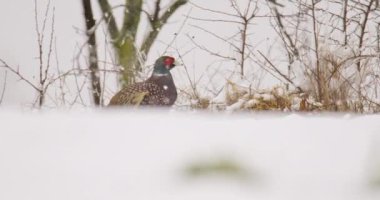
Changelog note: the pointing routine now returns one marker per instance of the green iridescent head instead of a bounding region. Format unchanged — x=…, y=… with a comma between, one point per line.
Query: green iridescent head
x=163, y=65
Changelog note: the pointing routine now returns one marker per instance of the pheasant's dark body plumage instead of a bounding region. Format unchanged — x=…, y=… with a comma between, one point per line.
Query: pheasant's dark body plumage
x=158, y=90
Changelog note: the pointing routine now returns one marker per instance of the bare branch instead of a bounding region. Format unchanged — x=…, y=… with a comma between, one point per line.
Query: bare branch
x=209, y=51
x=110, y=19
x=47, y=67
x=217, y=36
x=217, y=20
x=280, y=73
x=156, y=11
x=178, y=32
x=17, y=72
x=213, y=11
x=363, y=27
x=157, y=25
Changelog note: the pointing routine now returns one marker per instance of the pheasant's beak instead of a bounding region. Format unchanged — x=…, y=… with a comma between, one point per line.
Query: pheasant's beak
x=176, y=63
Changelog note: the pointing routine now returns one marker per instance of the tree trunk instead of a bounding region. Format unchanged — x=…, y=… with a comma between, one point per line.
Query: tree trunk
x=93, y=56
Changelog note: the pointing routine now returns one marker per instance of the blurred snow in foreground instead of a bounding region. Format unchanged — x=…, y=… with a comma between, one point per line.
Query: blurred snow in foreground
x=168, y=155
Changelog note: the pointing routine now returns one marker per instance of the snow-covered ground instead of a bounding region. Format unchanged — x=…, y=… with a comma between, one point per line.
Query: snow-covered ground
x=170, y=155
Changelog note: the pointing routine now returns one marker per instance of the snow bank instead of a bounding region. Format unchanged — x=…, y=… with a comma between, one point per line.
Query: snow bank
x=146, y=155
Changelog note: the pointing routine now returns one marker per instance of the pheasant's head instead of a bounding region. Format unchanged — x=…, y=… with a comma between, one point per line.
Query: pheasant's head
x=163, y=65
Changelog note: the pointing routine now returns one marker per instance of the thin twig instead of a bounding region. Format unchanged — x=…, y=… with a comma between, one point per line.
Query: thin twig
x=4, y=87
x=209, y=51
x=280, y=73
x=17, y=72
x=47, y=67
x=178, y=32
x=193, y=85
x=61, y=81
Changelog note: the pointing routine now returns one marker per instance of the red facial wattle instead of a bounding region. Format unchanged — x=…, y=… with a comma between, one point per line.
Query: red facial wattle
x=169, y=62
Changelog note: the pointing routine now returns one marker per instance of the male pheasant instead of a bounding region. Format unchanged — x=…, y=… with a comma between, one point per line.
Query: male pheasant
x=158, y=90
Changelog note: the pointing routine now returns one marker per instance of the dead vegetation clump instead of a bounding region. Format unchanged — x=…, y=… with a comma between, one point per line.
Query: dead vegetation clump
x=234, y=97
x=275, y=99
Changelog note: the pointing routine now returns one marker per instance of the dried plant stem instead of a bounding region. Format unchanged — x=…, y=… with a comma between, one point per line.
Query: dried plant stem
x=316, y=46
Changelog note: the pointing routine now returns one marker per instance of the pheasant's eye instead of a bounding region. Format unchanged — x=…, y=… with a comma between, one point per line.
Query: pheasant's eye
x=169, y=61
